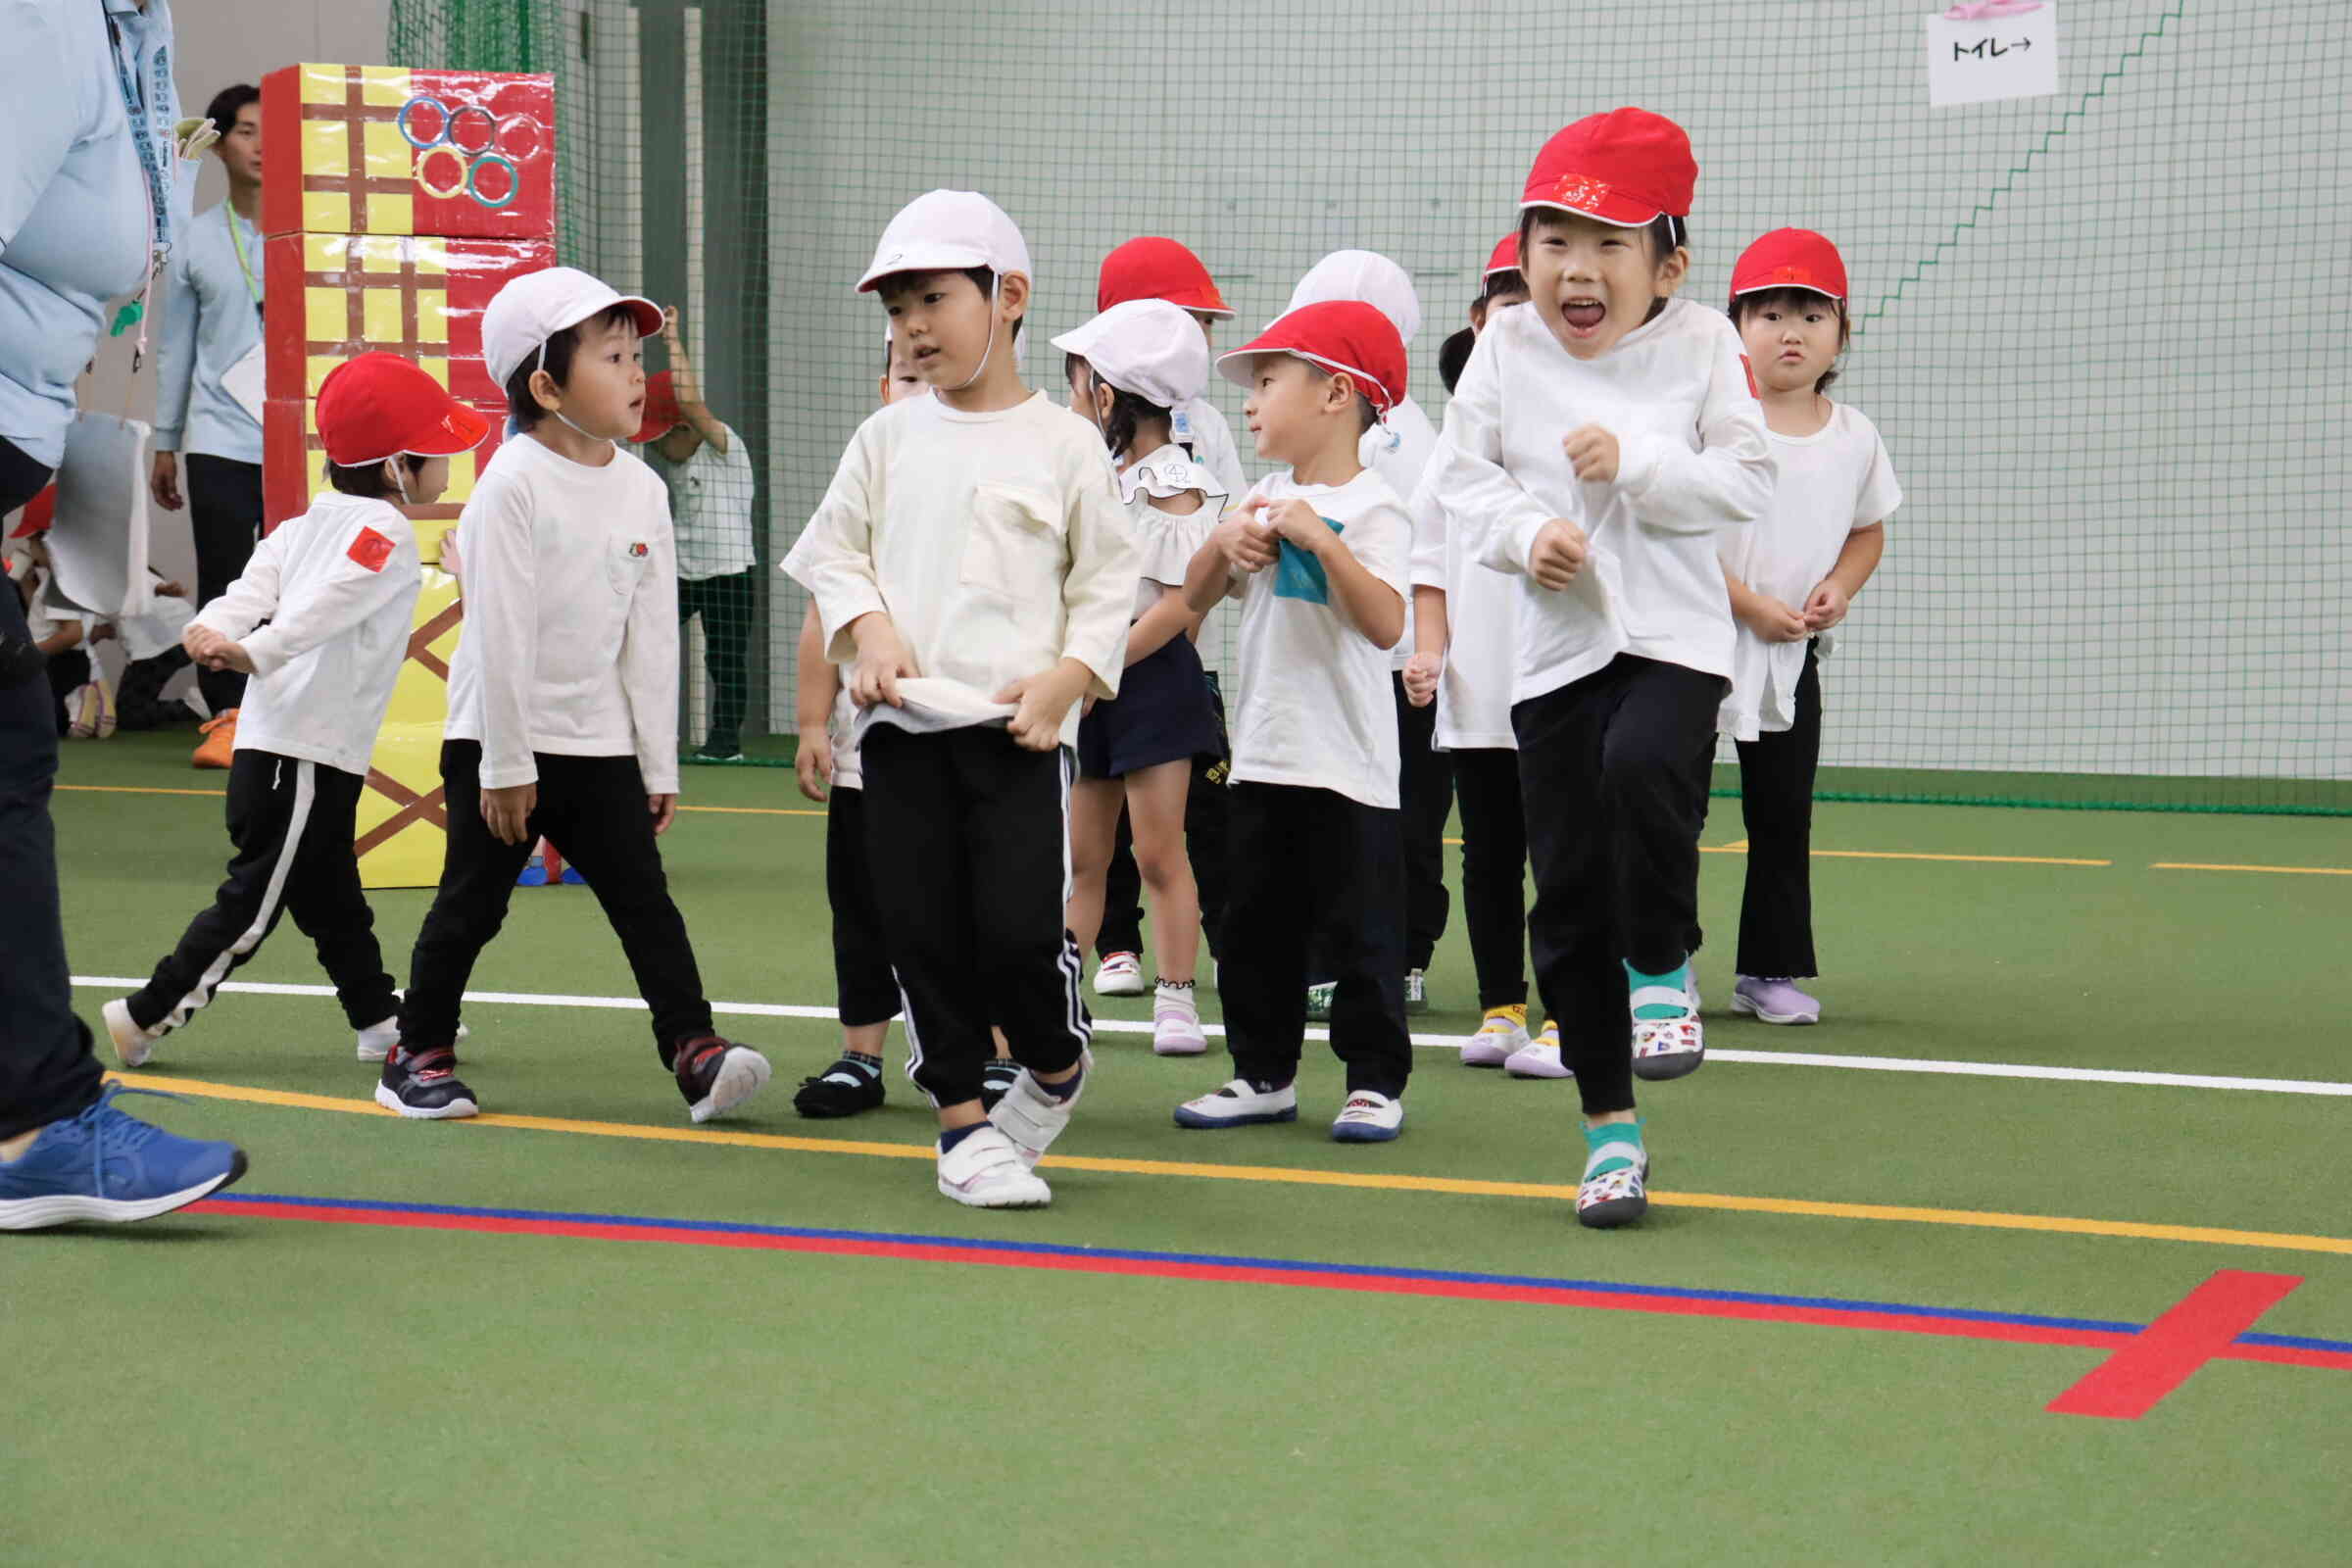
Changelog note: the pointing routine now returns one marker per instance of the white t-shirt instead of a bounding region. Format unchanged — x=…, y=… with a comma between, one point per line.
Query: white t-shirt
x=1474, y=693
x=1316, y=710
x=1831, y=483
x=841, y=727
x=995, y=543
x=338, y=586
x=711, y=498
x=1692, y=463
x=1166, y=540
x=570, y=641
x=1204, y=424
x=1398, y=449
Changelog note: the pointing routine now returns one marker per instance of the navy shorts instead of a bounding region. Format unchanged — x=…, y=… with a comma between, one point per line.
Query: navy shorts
x=1163, y=714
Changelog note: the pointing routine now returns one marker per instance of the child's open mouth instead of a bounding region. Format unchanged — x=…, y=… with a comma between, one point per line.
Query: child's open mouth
x=1583, y=314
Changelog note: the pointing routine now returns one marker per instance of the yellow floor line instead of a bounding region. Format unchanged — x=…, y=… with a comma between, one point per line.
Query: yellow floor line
x=754, y=810
x=134, y=789
x=2287, y=870
x=1370, y=1180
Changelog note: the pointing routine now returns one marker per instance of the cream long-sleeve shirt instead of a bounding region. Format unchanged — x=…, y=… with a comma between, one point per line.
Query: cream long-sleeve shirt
x=995, y=542
x=338, y=586
x=570, y=641
x=1692, y=460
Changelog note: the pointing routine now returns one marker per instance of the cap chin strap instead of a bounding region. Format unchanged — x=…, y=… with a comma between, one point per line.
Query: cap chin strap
x=995, y=286
x=540, y=364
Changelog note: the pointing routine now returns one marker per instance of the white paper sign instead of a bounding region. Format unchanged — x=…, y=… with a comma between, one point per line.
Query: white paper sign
x=1993, y=57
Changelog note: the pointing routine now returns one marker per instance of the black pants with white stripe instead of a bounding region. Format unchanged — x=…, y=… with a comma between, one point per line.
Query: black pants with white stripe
x=1613, y=769
x=1312, y=866
x=968, y=847
x=292, y=823
x=593, y=809
x=1776, y=803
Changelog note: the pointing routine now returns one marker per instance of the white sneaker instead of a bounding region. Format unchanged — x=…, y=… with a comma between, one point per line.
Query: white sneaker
x=1502, y=1036
x=1121, y=975
x=1368, y=1117
x=1540, y=1057
x=1031, y=1117
x=1237, y=1105
x=133, y=1044
x=986, y=1171
x=1176, y=1023
x=376, y=1042
x=1416, y=991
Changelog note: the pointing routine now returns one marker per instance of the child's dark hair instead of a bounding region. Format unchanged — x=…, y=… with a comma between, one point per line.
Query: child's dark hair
x=1128, y=409
x=367, y=479
x=985, y=280
x=1366, y=415
x=556, y=361
x=1797, y=298
x=1454, y=354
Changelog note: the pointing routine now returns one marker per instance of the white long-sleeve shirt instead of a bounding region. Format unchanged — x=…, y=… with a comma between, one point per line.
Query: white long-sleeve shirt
x=338, y=586
x=995, y=542
x=1398, y=448
x=570, y=641
x=1482, y=620
x=1692, y=460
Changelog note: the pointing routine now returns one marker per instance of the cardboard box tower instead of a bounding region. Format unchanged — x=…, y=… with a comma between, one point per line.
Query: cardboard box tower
x=394, y=205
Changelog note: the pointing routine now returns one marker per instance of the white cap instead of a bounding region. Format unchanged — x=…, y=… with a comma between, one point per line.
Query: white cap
x=1365, y=275
x=1148, y=347
x=946, y=231
x=535, y=307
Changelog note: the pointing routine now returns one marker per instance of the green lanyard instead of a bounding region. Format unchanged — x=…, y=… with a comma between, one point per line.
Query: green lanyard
x=236, y=237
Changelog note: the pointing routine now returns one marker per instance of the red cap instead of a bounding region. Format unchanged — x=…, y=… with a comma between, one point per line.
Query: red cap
x=1339, y=336
x=1505, y=257
x=1791, y=258
x=38, y=513
x=661, y=406
x=1627, y=167
x=380, y=406
x=1155, y=268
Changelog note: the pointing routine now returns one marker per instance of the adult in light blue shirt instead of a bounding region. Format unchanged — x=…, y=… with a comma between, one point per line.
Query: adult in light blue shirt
x=88, y=179
x=77, y=211
x=211, y=304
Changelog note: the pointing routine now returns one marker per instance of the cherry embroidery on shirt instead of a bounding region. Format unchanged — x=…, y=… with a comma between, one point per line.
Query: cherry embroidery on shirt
x=370, y=549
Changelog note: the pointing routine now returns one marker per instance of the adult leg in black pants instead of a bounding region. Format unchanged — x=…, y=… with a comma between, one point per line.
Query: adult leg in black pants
x=1424, y=800
x=1486, y=786
x=725, y=605
x=224, y=514
x=1776, y=803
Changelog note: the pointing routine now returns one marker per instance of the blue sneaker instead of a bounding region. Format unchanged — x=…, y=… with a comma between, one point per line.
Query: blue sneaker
x=106, y=1165
x=571, y=873
x=532, y=875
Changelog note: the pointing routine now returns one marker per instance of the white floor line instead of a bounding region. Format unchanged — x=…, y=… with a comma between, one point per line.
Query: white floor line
x=1126, y=1026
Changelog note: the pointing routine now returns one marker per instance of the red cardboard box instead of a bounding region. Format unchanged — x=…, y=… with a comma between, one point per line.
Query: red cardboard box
x=294, y=469
x=383, y=150
x=333, y=296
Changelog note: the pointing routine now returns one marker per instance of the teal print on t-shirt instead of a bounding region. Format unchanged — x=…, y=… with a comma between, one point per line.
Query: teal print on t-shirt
x=1299, y=575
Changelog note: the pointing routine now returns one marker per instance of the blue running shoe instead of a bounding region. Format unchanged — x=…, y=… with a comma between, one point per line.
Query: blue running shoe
x=573, y=877
x=532, y=875
x=106, y=1165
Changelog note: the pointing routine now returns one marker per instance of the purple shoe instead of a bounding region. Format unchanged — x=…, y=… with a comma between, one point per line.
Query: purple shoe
x=1774, y=1000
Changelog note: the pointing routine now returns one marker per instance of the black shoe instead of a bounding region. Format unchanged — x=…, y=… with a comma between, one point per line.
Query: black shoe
x=420, y=1084
x=996, y=1082
x=717, y=1075
x=842, y=1090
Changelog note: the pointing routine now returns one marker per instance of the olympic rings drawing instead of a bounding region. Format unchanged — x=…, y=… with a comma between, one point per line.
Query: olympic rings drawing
x=492, y=151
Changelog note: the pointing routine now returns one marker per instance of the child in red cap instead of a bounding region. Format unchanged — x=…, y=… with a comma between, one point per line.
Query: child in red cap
x=1792, y=574
x=1317, y=555
x=337, y=586
x=1602, y=439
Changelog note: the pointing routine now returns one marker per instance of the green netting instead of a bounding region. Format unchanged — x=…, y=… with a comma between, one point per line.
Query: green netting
x=2103, y=333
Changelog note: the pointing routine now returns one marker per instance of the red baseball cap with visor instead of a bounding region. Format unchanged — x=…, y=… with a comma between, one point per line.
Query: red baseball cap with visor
x=661, y=412
x=1157, y=269
x=1627, y=167
x=1791, y=258
x=380, y=406
x=1505, y=257
x=1340, y=335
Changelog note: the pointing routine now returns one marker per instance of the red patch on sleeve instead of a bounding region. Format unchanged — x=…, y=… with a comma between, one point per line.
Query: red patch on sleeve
x=1749, y=368
x=370, y=549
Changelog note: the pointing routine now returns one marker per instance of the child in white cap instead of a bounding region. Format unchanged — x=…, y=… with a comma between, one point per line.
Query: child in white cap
x=973, y=560
x=1317, y=555
x=1129, y=369
x=1398, y=449
x=564, y=691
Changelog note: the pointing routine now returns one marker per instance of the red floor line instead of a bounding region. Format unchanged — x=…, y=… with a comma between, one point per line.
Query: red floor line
x=2159, y=1358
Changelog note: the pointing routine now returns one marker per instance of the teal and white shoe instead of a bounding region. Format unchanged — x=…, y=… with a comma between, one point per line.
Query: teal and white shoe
x=1615, y=1189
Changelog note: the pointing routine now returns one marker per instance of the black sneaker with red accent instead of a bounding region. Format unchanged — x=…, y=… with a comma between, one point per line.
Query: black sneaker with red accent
x=717, y=1075
x=423, y=1086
